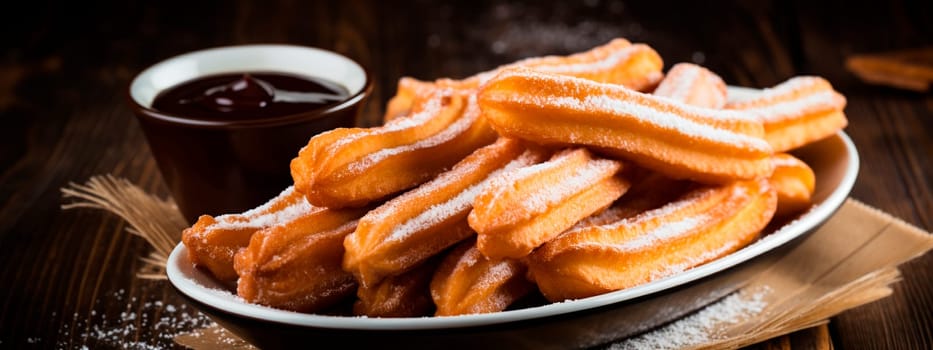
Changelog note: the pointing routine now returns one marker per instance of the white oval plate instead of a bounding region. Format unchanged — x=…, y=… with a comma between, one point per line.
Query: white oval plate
x=834, y=160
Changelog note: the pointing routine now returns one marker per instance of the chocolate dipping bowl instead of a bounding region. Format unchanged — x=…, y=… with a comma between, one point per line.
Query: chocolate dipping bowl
x=578, y=323
x=224, y=166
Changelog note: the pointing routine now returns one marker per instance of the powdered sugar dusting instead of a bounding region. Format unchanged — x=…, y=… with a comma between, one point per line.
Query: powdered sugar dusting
x=679, y=82
x=663, y=233
x=460, y=203
x=616, y=58
x=661, y=119
x=453, y=130
x=808, y=104
x=289, y=213
x=577, y=85
x=430, y=109
x=693, y=261
x=701, y=327
x=618, y=54
x=496, y=274
x=669, y=121
x=262, y=208
x=786, y=162
x=543, y=198
x=581, y=179
x=788, y=87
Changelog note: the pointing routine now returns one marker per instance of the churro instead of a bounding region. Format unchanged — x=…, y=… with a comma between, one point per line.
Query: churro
x=296, y=265
x=467, y=282
x=405, y=295
x=354, y=167
x=796, y=112
x=412, y=227
x=213, y=241
x=526, y=207
x=705, y=224
x=794, y=182
x=693, y=85
x=678, y=140
x=637, y=67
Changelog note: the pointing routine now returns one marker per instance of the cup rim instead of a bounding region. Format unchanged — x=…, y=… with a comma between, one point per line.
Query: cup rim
x=167, y=118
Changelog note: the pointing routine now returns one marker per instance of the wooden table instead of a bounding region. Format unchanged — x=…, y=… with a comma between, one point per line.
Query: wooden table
x=67, y=276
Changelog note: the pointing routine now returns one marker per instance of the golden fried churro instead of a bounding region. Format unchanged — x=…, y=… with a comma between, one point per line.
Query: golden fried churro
x=296, y=265
x=405, y=295
x=794, y=181
x=675, y=139
x=526, y=207
x=693, y=85
x=416, y=225
x=212, y=242
x=356, y=166
x=467, y=282
x=408, y=90
x=796, y=112
x=703, y=225
x=637, y=67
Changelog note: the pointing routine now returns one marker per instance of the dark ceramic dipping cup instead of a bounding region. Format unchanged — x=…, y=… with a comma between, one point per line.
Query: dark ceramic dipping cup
x=224, y=166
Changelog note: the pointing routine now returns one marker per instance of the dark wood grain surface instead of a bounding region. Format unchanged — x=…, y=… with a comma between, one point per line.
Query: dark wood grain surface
x=67, y=276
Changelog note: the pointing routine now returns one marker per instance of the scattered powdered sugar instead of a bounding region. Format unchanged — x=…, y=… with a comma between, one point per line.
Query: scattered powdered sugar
x=143, y=324
x=701, y=327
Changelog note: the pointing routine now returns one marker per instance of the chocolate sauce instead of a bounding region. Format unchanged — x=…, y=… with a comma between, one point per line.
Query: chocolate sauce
x=239, y=96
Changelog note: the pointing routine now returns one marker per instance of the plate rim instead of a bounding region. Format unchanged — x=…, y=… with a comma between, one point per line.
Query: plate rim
x=230, y=303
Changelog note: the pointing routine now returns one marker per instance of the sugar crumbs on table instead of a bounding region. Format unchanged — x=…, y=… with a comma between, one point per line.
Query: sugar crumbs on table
x=700, y=327
x=151, y=324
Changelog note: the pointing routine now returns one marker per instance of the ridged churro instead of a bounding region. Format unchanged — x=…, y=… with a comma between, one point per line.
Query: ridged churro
x=675, y=139
x=794, y=182
x=703, y=225
x=421, y=223
x=467, y=282
x=637, y=67
x=526, y=207
x=213, y=241
x=405, y=295
x=693, y=85
x=796, y=112
x=357, y=166
x=296, y=265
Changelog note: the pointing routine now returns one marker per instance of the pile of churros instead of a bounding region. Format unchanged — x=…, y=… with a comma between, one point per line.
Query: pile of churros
x=566, y=176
